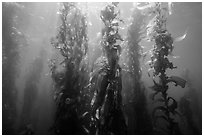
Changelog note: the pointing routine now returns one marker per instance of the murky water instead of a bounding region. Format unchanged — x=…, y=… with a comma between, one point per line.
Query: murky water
x=28, y=89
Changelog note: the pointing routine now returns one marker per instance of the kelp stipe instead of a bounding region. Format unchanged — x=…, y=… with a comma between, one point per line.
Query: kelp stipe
x=27, y=124
x=71, y=41
x=141, y=121
x=158, y=33
x=106, y=79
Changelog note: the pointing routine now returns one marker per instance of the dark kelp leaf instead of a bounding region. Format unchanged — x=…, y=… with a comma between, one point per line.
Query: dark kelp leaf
x=156, y=87
x=152, y=95
x=173, y=106
x=177, y=80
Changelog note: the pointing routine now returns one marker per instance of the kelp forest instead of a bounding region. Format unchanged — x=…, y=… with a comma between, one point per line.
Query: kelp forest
x=105, y=68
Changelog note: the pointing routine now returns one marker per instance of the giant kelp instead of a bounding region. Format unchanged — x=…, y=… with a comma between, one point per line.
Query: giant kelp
x=141, y=120
x=106, y=80
x=27, y=124
x=89, y=93
x=71, y=41
x=12, y=40
x=162, y=48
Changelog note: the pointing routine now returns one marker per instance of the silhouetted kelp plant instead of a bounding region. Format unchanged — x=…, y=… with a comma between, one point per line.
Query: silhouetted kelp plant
x=89, y=97
x=104, y=112
x=163, y=47
x=106, y=79
x=71, y=41
x=12, y=40
x=141, y=119
x=27, y=119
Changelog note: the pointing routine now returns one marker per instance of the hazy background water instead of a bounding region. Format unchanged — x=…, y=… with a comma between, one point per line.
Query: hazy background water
x=39, y=24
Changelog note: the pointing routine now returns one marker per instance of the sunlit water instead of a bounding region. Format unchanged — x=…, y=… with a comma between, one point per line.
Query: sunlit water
x=40, y=24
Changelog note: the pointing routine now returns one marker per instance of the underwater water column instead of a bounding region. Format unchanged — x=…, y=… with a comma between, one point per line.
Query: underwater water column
x=12, y=40
x=140, y=118
x=189, y=108
x=31, y=94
